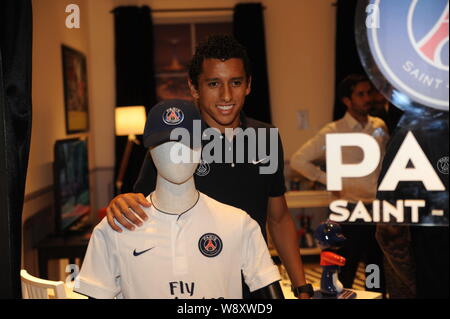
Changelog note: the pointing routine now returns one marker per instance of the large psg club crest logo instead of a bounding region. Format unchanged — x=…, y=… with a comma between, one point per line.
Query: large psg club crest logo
x=410, y=46
x=210, y=245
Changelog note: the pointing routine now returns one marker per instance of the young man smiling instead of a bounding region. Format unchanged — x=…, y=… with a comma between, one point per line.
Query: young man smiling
x=220, y=91
x=219, y=81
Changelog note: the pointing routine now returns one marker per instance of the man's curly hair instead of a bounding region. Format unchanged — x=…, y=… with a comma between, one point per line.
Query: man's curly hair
x=222, y=47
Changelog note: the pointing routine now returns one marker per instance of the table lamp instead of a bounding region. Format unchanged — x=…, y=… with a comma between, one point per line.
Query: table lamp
x=130, y=121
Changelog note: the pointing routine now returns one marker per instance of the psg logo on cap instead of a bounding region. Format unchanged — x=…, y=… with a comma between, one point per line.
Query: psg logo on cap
x=210, y=245
x=173, y=116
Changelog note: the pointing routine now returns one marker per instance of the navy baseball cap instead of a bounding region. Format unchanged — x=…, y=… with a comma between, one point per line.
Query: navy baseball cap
x=166, y=116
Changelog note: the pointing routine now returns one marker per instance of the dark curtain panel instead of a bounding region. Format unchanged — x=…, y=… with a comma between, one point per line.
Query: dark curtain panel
x=248, y=28
x=347, y=59
x=135, y=80
x=15, y=133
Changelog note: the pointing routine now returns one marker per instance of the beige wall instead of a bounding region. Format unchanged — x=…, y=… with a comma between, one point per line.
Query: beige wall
x=95, y=39
x=102, y=98
x=49, y=32
x=300, y=51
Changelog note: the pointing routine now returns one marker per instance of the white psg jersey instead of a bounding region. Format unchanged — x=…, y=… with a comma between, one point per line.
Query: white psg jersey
x=199, y=254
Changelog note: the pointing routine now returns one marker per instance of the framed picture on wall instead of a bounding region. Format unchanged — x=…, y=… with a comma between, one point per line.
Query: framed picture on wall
x=174, y=46
x=75, y=90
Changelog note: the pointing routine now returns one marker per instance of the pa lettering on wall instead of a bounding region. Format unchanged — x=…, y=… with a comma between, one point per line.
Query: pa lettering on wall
x=410, y=164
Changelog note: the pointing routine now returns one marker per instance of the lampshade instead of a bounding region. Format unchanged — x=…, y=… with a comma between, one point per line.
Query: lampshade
x=130, y=120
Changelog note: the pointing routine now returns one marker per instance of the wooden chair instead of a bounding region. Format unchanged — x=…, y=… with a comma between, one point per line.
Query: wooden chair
x=36, y=288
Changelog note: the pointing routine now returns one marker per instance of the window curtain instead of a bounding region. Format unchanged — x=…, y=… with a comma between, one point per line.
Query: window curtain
x=135, y=80
x=248, y=29
x=15, y=134
x=347, y=58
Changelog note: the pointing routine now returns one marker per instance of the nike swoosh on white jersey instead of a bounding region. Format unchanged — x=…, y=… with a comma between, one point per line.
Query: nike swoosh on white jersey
x=135, y=253
x=260, y=161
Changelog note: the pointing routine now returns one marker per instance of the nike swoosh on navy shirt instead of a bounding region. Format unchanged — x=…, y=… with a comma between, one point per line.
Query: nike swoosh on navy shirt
x=260, y=161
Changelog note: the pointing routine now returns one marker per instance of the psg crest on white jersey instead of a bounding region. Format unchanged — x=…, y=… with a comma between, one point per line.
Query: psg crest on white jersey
x=210, y=245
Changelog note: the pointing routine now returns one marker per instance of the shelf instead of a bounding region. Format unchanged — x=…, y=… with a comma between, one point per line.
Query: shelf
x=305, y=199
x=360, y=294
x=303, y=251
x=310, y=251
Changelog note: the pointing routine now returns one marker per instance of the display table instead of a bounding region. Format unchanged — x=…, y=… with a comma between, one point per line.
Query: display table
x=306, y=199
x=303, y=251
x=57, y=247
x=70, y=294
x=360, y=294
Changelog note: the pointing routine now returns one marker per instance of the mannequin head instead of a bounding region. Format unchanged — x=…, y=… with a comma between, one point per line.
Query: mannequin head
x=175, y=162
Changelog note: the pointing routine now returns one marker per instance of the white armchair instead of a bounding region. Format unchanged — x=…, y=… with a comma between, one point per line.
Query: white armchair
x=36, y=288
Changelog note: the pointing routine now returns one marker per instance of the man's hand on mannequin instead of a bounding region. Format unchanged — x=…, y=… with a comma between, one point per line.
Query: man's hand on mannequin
x=121, y=206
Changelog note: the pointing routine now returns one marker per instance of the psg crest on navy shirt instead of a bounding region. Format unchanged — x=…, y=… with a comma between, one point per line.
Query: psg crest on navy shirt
x=173, y=116
x=210, y=245
x=202, y=169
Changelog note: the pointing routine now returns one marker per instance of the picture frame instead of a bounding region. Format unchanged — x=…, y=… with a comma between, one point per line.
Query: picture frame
x=70, y=182
x=174, y=46
x=76, y=100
